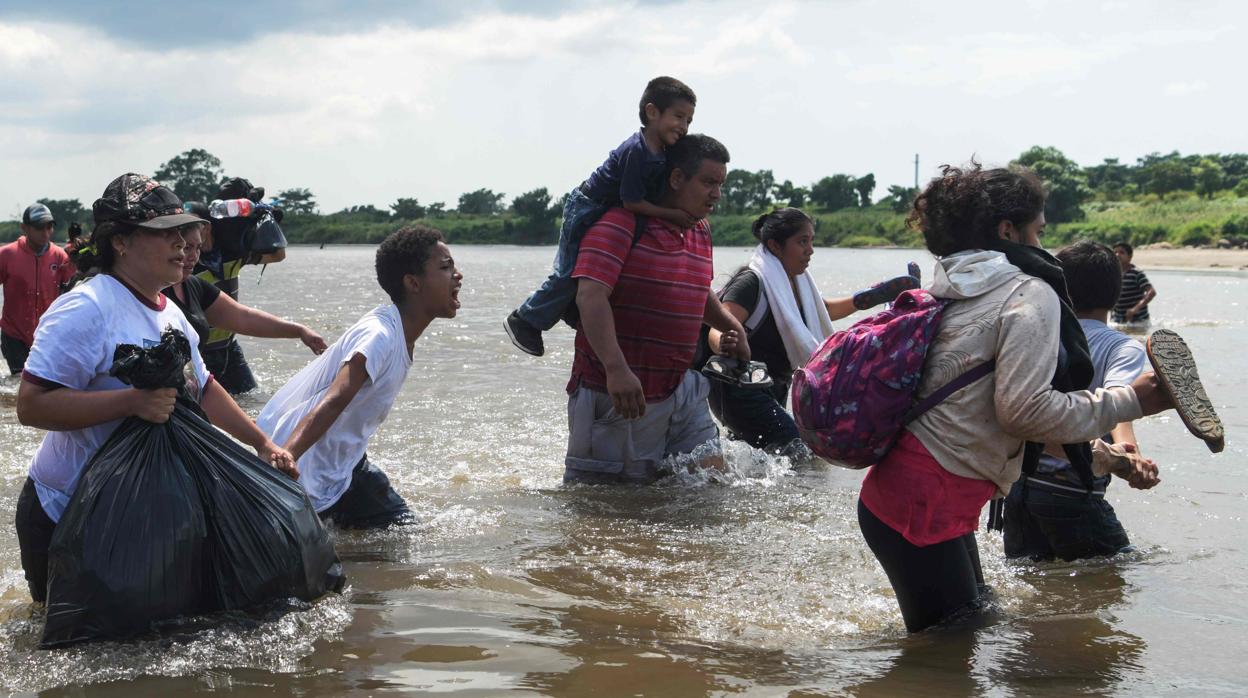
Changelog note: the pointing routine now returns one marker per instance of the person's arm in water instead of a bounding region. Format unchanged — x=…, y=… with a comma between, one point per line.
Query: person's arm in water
x=674, y=216
x=731, y=337
x=351, y=376
x=598, y=323
x=231, y=315
x=223, y=412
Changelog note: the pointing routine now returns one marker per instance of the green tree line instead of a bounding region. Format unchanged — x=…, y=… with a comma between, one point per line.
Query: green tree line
x=1183, y=199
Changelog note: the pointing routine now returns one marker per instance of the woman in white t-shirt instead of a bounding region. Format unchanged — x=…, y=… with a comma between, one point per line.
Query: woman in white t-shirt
x=66, y=389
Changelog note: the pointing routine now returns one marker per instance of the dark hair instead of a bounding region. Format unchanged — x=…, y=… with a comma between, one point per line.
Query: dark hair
x=962, y=208
x=780, y=225
x=688, y=153
x=663, y=92
x=98, y=254
x=1126, y=246
x=403, y=252
x=1093, y=275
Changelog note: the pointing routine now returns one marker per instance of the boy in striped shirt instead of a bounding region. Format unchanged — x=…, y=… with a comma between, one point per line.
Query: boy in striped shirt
x=1137, y=291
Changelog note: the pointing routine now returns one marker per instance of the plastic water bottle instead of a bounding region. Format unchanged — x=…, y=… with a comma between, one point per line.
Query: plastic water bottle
x=231, y=208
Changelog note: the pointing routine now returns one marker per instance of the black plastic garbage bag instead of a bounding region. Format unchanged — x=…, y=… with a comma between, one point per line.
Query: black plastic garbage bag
x=176, y=520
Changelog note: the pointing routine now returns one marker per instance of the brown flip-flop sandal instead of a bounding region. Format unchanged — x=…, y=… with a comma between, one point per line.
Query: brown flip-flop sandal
x=1176, y=372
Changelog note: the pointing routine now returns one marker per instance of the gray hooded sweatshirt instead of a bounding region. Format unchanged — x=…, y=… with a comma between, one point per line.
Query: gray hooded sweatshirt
x=978, y=432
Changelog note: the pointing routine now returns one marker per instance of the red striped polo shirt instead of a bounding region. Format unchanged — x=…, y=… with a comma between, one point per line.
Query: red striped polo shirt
x=658, y=288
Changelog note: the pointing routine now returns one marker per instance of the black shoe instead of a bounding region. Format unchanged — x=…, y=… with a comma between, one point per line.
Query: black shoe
x=526, y=337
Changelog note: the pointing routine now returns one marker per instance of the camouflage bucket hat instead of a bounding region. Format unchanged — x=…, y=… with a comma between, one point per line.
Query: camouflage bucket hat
x=140, y=201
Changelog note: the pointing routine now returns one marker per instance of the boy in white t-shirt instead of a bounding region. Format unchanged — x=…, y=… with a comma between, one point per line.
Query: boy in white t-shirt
x=327, y=413
x=1050, y=513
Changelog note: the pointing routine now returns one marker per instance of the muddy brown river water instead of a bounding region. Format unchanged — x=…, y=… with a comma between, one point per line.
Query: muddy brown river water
x=754, y=583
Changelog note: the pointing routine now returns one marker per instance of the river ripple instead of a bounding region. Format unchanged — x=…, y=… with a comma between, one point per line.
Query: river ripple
x=757, y=582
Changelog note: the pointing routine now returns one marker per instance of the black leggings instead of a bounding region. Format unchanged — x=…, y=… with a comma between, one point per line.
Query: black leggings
x=933, y=582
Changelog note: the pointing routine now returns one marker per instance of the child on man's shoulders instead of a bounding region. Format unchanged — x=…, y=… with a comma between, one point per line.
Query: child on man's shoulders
x=632, y=177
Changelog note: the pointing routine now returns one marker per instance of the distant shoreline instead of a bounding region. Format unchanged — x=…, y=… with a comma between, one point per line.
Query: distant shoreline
x=1178, y=258
x=1191, y=258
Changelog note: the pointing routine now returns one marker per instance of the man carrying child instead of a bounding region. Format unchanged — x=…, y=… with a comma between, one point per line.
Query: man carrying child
x=643, y=296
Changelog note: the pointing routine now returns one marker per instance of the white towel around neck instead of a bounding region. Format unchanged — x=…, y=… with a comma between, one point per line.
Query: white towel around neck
x=801, y=337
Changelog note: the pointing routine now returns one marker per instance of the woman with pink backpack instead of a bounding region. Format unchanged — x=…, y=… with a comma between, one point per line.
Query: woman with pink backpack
x=1008, y=313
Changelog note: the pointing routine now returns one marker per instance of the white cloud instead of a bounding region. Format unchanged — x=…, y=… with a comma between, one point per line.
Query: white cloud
x=21, y=45
x=513, y=102
x=1182, y=89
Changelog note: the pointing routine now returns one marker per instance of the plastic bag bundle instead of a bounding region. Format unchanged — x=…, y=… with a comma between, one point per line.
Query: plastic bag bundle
x=176, y=520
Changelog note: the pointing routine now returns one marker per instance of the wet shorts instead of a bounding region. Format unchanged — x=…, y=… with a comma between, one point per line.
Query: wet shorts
x=370, y=501
x=606, y=448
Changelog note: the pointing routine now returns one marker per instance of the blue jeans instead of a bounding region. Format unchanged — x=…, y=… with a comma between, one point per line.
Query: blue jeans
x=545, y=307
x=754, y=416
x=1043, y=524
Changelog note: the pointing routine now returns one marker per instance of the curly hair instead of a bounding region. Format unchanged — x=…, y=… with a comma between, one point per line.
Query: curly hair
x=963, y=207
x=780, y=225
x=663, y=92
x=403, y=252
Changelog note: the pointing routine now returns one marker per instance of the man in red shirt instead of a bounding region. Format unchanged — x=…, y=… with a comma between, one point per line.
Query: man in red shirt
x=32, y=270
x=634, y=401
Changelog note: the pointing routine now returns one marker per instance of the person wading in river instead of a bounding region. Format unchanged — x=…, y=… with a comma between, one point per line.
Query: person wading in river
x=633, y=399
x=920, y=505
x=327, y=413
x=786, y=318
x=1050, y=513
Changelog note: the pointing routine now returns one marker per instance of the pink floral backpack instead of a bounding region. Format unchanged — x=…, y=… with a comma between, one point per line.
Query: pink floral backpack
x=858, y=391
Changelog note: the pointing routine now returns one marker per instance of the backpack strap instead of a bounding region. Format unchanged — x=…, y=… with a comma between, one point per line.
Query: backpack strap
x=760, y=309
x=953, y=386
x=571, y=313
x=639, y=226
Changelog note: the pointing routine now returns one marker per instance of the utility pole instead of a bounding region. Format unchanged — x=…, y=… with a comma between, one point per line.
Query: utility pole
x=916, y=171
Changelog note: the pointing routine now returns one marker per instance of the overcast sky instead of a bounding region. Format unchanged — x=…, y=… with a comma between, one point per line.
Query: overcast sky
x=365, y=102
